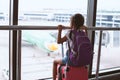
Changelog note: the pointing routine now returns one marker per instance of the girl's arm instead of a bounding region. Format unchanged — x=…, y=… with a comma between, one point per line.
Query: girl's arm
x=60, y=39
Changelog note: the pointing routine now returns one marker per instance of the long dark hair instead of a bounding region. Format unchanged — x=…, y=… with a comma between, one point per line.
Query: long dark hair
x=77, y=20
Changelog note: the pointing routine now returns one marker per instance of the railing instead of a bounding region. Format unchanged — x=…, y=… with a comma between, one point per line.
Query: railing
x=20, y=27
x=29, y=27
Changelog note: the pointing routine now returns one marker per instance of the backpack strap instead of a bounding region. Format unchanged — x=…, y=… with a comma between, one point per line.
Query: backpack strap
x=72, y=39
x=77, y=33
x=70, y=35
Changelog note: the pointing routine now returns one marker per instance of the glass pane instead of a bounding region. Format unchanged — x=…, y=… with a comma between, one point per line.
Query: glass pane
x=108, y=16
x=38, y=53
x=4, y=40
x=4, y=55
x=50, y=13
x=39, y=47
x=4, y=12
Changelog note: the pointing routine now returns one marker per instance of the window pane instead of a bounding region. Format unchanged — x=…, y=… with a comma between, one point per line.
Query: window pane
x=4, y=55
x=4, y=12
x=38, y=52
x=50, y=13
x=39, y=47
x=108, y=15
x=4, y=40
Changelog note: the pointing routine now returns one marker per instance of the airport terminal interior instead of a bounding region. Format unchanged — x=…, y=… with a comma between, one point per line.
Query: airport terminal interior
x=28, y=37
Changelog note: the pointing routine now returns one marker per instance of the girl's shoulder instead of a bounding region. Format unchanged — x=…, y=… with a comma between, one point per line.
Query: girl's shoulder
x=83, y=27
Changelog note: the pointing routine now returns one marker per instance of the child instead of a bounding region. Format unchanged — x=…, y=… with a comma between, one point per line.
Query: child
x=77, y=22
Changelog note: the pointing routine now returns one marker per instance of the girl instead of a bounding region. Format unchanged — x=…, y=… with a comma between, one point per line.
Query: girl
x=76, y=22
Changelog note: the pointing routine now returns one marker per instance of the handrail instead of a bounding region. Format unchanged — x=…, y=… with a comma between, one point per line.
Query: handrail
x=27, y=27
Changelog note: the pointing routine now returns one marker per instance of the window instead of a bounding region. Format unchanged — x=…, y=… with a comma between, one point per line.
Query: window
x=39, y=47
x=110, y=50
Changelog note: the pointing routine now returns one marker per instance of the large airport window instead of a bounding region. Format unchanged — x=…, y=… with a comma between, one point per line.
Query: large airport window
x=110, y=40
x=39, y=47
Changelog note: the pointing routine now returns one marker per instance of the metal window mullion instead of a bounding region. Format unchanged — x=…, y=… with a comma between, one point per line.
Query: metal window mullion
x=10, y=39
x=99, y=55
x=15, y=69
x=14, y=55
x=18, y=54
x=10, y=55
x=91, y=21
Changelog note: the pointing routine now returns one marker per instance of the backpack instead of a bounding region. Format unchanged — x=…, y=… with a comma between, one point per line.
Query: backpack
x=81, y=53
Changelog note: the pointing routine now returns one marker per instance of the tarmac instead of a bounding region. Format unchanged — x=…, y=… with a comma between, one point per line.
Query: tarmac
x=36, y=64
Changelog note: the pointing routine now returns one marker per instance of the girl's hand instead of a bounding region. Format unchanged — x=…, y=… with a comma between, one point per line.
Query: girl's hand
x=60, y=27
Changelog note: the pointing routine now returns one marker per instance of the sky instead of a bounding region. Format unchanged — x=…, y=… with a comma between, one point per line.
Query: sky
x=110, y=5
x=55, y=4
x=36, y=5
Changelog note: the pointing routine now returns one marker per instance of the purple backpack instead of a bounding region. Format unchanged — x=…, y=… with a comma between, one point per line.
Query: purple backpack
x=81, y=52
